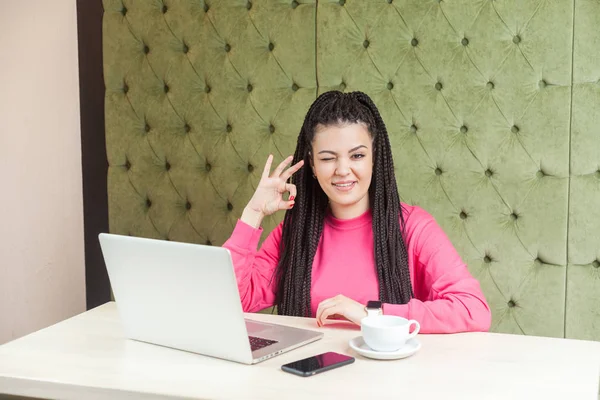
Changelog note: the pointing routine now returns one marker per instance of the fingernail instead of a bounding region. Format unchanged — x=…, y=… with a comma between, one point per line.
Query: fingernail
x=292, y=198
x=292, y=206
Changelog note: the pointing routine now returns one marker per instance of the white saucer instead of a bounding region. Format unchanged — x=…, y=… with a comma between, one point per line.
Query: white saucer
x=411, y=347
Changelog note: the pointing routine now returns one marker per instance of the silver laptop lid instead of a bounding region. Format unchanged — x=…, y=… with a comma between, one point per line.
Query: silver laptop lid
x=166, y=296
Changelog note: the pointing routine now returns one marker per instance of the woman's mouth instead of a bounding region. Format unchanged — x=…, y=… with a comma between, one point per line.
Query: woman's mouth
x=344, y=186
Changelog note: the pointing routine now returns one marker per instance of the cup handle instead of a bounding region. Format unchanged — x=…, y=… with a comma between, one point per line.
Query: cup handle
x=417, y=328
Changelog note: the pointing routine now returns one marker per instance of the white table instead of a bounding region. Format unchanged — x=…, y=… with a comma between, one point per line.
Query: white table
x=87, y=357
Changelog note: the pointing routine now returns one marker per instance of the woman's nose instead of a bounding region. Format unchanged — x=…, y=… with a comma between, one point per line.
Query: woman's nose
x=342, y=168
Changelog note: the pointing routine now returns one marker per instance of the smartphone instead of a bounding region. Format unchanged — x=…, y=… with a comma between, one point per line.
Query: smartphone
x=317, y=364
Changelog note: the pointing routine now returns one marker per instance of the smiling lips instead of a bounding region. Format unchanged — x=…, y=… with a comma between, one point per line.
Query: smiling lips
x=344, y=186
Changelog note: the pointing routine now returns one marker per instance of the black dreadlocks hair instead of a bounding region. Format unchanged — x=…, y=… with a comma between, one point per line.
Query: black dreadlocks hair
x=303, y=225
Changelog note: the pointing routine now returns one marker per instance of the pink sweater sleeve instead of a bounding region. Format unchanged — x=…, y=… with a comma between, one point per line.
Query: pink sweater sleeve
x=447, y=297
x=254, y=269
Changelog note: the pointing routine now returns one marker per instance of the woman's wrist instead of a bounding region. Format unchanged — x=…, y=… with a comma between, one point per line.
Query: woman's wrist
x=252, y=217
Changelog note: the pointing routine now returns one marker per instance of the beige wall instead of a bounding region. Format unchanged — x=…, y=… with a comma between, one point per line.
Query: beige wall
x=41, y=217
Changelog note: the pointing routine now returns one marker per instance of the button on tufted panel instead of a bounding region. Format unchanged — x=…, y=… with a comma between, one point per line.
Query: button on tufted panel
x=220, y=86
x=465, y=86
x=583, y=276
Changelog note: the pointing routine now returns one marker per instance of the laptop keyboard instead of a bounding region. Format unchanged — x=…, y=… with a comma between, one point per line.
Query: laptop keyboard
x=259, y=343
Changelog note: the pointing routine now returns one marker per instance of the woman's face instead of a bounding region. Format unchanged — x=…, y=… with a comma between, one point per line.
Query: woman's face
x=342, y=160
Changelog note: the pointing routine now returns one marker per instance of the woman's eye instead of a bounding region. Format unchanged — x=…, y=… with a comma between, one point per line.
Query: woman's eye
x=358, y=156
x=326, y=159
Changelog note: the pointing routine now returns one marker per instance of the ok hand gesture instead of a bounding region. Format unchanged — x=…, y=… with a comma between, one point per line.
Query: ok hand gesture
x=268, y=197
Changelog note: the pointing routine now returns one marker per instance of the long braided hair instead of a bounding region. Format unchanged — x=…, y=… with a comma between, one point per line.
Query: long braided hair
x=303, y=225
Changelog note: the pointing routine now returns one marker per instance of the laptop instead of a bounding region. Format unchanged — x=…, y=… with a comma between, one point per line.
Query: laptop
x=185, y=296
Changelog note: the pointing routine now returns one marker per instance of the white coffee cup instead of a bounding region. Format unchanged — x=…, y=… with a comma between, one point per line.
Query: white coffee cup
x=387, y=332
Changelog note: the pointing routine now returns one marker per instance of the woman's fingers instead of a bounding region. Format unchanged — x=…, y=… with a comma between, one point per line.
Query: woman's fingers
x=286, y=205
x=325, y=304
x=269, y=194
x=287, y=187
x=292, y=170
x=335, y=309
x=267, y=169
x=281, y=166
x=292, y=189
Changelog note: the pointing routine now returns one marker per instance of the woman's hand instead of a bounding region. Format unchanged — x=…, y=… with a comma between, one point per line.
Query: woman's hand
x=340, y=306
x=268, y=197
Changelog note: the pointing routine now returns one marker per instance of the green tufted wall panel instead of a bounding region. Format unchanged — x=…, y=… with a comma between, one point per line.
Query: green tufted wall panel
x=583, y=288
x=197, y=96
x=478, y=139
x=487, y=133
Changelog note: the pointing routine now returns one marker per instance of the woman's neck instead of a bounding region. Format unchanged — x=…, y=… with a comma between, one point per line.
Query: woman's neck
x=341, y=211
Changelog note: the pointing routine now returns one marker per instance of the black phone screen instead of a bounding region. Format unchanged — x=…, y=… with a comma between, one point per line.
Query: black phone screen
x=318, y=363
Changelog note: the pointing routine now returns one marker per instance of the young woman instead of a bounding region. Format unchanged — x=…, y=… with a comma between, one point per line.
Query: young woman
x=346, y=239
